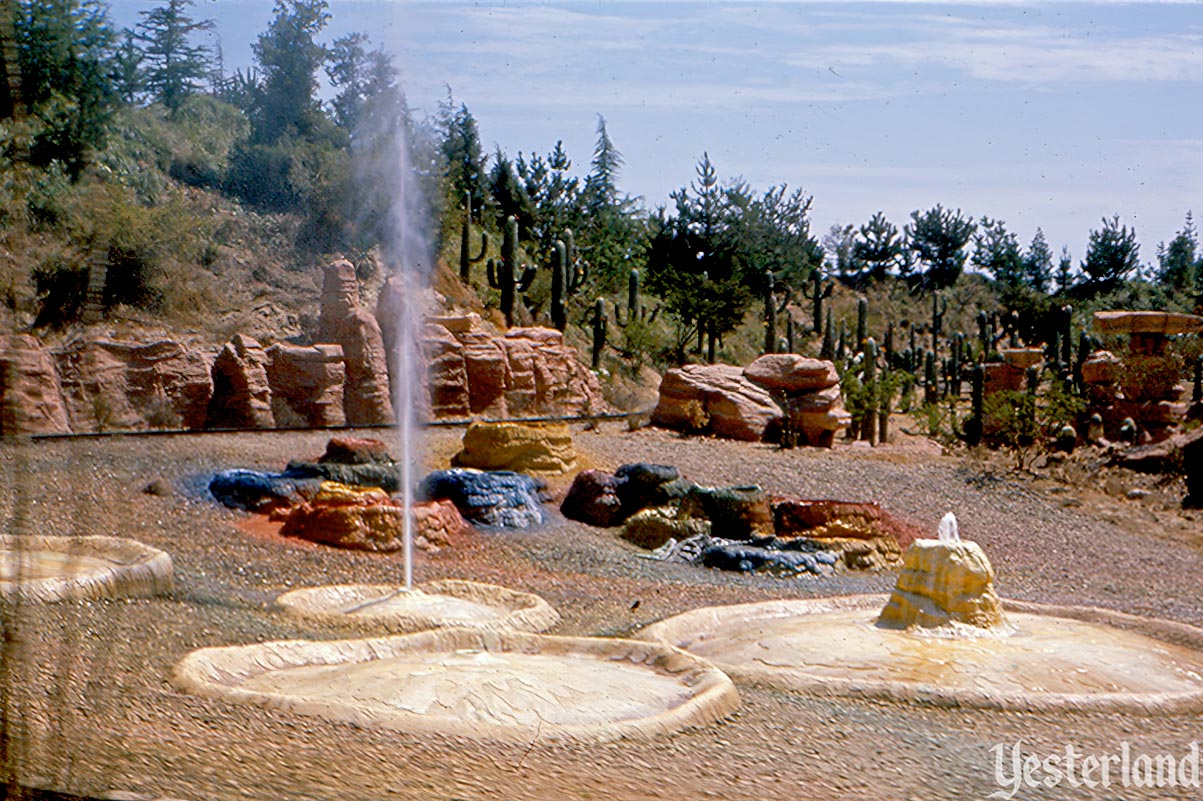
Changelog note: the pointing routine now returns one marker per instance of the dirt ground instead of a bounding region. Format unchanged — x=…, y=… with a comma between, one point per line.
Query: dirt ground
x=90, y=709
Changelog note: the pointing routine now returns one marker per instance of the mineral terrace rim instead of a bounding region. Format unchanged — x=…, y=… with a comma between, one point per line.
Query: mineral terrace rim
x=680, y=629
x=213, y=672
x=136, y=569
x=526, y=611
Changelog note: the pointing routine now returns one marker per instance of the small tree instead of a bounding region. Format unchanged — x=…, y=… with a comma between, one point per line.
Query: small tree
x=289, y=58
x=172, y=67
x=877, y=246
x=1111, y=256
x=1178, y=262
x=1038, y=263
x=938, y=237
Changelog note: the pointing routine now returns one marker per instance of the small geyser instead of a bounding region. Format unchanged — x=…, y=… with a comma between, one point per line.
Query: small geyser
x=941, y=638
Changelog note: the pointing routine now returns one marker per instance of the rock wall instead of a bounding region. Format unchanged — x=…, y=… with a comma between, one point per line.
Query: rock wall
x=30, y=388
x=526, y=372
x=113, y=385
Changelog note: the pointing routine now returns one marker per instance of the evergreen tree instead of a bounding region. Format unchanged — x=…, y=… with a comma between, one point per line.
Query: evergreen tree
x=1065, y=269
x=65, y=51
x=554, y=194
x=996, y=251
x=693, y=264
x=1038, y=263
x=937, y=238
x=1179, y=261
x=612, y=235
x=172, y=67
x=509, y=195
x=289, y=57
x=877, y=246
x=466, y=168
x=1111, y=256
x=366, y=81
x=127, y=68
x=839, y=248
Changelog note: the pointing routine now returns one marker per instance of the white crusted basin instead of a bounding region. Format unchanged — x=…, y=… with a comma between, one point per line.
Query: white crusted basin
x=435, y=604
x=1046, y=656
x=471, y=683
x=48, y=569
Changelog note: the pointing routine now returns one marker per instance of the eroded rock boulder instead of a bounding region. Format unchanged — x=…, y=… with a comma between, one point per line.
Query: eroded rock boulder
x=32, y=395
x=652, y=528
x=344, y=321
x=525, y=372
x=943, y=583
x=716, y=399
x=241, y=392
x=498, y=498
x=593, y=499
x=544, y=448
x=306, y=385
x=255, y=491
x=735, y=513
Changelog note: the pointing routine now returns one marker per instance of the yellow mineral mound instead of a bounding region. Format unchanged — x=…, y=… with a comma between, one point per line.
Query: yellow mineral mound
x=525, y=448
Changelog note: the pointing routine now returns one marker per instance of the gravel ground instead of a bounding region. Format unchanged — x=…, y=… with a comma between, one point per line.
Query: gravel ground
x=91, y=710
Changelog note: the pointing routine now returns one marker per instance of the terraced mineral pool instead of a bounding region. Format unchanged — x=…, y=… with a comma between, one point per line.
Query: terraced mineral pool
x=471, y=683
x=1047, y=656
x=51, y=569
x=436, y=604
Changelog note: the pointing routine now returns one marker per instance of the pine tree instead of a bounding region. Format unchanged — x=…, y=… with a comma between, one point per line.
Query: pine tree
x=465, y=165
x=1178, y=262
x=996, y=251
x=937, y=238
x=173, y=67
x=1111, y=256
x=1065, y=269
x=877, y=246
x=366, y=81
x=1038, y=263
x=289, y=57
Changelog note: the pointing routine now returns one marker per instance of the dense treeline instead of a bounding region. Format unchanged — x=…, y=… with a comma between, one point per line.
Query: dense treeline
x=85, y=107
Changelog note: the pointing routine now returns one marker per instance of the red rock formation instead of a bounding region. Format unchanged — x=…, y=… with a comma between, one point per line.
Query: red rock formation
x=344, y=321
x=306, y=385
x=241, y=393
x=791, y=373
x=717, y=399
x=110, y=385
x=29, y=389
x=526, y=372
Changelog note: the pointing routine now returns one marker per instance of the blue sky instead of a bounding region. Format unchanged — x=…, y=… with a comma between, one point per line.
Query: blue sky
x=1050, y=114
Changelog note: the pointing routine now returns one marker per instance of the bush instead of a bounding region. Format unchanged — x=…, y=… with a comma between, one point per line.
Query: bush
x=62, y=287
x=1148, y=378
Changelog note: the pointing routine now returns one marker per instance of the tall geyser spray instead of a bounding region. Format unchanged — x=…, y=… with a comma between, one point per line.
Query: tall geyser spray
x=408, y=254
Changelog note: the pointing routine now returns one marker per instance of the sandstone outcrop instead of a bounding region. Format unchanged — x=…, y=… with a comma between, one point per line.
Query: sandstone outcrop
x=32, y=395
x=344, y=321
x=525, y=372
x=306, y=385
x=242, y=397
x=751, y=403
x=113, y=385
x=716, y=399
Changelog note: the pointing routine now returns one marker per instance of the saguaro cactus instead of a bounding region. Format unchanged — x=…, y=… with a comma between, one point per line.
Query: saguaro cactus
x=466, y=260
x=862, y=322
x=575, y=273
x=868, y=428
x=635, y=308
x=975, y=425
x=827, y=350
x=599, y=331
x=771, y=310
x=939, y=306
x=818, y=292
x=506, y=275
x=931, y=381
x=559, y=283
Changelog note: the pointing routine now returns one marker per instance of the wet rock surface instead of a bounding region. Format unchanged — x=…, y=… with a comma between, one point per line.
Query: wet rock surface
x=501, y=499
